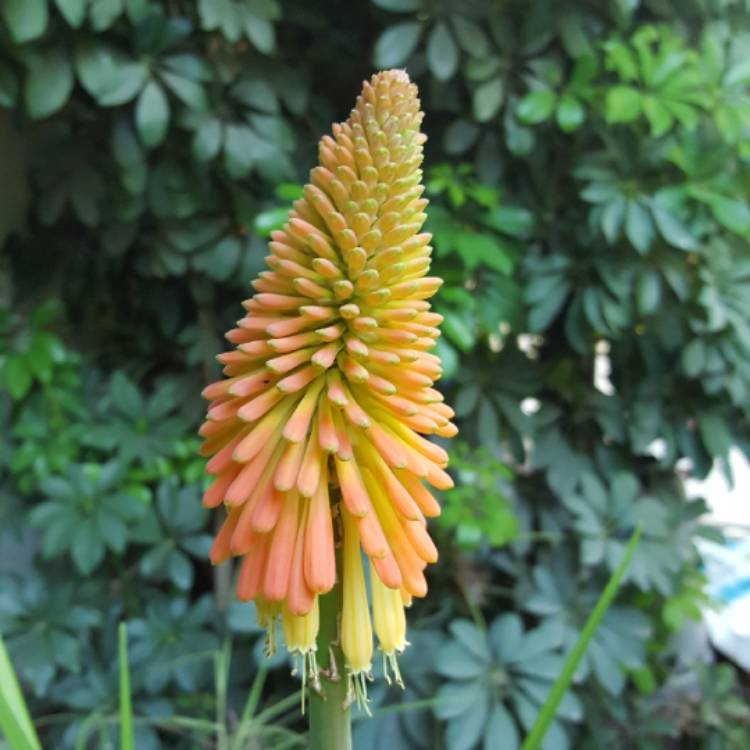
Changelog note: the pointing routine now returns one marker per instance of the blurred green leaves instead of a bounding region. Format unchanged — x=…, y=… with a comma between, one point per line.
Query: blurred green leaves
x=29, y=352
x=496, y=682
x=252, y=19
x=43, y=620
x=87, y=511
x=174, y=529
x=477, y=510
x=587, y=170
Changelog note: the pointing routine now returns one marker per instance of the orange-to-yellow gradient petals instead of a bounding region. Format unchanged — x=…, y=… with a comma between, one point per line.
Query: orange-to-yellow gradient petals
x=315, y=436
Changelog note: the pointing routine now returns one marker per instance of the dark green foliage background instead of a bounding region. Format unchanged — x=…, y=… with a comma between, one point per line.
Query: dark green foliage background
x=588, y=165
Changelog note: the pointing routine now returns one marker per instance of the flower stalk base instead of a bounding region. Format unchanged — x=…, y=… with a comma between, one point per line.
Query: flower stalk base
x=330, y=716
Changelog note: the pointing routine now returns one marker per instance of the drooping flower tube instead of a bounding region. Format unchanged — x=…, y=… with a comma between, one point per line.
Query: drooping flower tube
x=316, y=434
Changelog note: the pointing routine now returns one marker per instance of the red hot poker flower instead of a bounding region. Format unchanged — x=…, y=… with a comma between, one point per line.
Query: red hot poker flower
x=329, y=392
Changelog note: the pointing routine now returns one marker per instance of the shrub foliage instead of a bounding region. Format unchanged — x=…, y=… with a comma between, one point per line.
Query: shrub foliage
x=588, y=166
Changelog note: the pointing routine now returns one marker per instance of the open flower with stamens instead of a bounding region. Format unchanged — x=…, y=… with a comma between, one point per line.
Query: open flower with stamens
x=316, y=434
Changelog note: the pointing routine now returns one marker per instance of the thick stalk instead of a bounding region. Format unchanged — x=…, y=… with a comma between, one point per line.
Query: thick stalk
x=330, y=716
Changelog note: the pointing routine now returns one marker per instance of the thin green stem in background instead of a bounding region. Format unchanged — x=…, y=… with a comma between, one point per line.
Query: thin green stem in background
x=330, y=717
x=221, y=678
x=549, y=709
x=126, y=706
x=251, y=705
x=15, y=722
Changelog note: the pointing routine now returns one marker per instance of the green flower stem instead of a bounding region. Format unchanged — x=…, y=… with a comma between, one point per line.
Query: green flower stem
x=547, y=713
x=126, y=709
x=330, y=716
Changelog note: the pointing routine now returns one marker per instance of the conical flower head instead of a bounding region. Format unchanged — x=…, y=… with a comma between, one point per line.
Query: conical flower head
x=316, y=433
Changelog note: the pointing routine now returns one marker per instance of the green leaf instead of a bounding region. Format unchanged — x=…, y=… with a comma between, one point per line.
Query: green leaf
x=694, y=358
x=87, y=549
x=471, y=37
x=126, y=710
x=126, y=396
x=222, y=15
x=189, y=92
x=455, y=698
x=152, y=114
x=398, y=6
x=180, y=570
x=556, y=694
x=48, y=83
x=239, y=149
x=625, y=487
x=26, y=19
x=612, y=216
x=639, y=228
x=458, y=330
x=459, y=137
x=463, y=732
x=715, y=435
x=648, y=293
x=207, y=140
x=519, y=140
x=623, y=104
x=15, y=722
x=267, y=221
x=257, y=94
x=546, y=310
x=396, y=44
x=260, y=32
x=110, y=77
x=659, y=117
x=487, y=427
x=536, y=106
x=449, y=358
x=220, y=261
x=442, y=53
x=512, y=220
x=739, y=73
x=465, y=400
x=732, y=213
x=8, y=87
x=501, y=731
x=621, y=59
x=454, y=661
x=73, y=11
x=471, y=638
x=17, y=376
x=476, y=249
x=570, y=113
x=671, y=228
x=487, y=98
x=104, y=13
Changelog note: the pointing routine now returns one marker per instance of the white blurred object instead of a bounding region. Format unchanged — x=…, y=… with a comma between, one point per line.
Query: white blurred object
x=728, y=506
x=727, y=566
x=727, y=569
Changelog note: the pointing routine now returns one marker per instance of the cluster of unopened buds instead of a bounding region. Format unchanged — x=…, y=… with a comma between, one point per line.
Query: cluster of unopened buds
x=315, y=435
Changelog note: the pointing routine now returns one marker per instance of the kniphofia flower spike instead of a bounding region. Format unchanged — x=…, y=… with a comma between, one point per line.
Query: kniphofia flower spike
x=315, y=435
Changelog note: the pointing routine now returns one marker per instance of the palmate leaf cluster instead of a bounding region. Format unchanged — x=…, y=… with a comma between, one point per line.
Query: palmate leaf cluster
x=587, y=167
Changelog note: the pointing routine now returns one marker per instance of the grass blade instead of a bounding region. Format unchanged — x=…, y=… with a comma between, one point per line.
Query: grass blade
x=222, y=660
x=15, y=722
x=251, y=705
x=534, y=739
x=126, y=707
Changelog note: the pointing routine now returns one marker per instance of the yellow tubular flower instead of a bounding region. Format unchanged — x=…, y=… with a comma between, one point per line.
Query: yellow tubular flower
x=356, y=629
x=300, y=634
x=328, y=395
x=390, y=624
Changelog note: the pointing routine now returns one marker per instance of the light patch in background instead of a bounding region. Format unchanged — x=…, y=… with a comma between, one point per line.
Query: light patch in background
x=530, y=406
x=729, y=507
x=603, y=368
